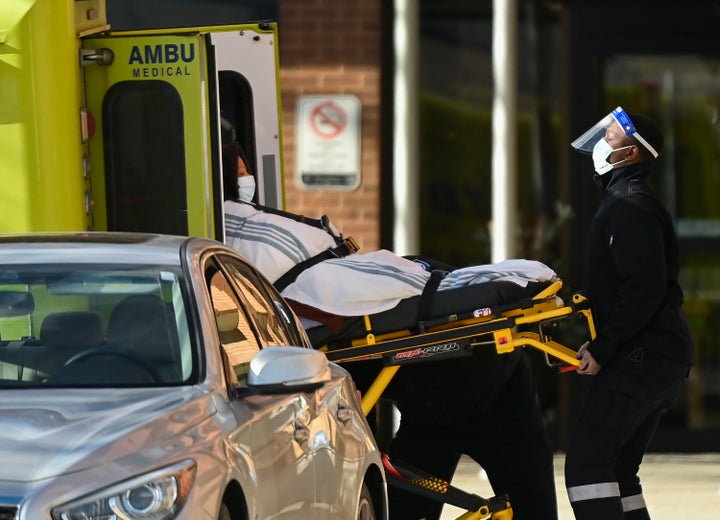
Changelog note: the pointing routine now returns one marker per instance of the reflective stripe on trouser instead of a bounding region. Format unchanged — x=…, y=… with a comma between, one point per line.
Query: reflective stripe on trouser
x=606, y=490
x=634, y=508
x=633, y=503
x=599, y=501
x=593, y=491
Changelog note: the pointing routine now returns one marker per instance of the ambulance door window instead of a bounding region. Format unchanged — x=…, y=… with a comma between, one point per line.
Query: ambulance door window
x=145, y=158
x=236, y=106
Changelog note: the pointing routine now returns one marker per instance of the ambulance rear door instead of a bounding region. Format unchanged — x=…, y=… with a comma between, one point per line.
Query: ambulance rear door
x=150, y=159
x=246, y=59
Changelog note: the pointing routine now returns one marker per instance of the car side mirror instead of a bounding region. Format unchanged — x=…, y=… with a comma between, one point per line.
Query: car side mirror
x=288, y=369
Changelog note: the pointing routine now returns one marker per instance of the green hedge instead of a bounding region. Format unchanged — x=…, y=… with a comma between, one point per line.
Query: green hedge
x=456, y=179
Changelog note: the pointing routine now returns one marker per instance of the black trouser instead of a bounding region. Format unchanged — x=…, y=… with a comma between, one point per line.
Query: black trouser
x=612, y=432
x=509, y=442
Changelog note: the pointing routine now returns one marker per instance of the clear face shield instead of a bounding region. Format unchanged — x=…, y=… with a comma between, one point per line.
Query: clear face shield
x=606, y=136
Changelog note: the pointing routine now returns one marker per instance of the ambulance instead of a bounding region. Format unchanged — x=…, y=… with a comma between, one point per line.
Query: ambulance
x=110, y=113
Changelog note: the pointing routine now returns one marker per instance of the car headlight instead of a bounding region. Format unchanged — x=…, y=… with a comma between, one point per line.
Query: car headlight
x=153, y=496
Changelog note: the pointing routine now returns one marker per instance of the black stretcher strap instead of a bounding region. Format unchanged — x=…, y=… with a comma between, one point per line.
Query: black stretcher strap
x=320, y=223
x=344, y=249
x=427, y=297
x=345, y=245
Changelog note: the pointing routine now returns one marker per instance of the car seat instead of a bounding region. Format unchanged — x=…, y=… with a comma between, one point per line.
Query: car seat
x=63, y=335
x=144, y=325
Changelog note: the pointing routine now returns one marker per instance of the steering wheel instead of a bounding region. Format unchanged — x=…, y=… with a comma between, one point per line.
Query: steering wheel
x=129, y=356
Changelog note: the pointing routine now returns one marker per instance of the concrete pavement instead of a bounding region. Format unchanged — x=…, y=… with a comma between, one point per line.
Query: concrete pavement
x=676, y=486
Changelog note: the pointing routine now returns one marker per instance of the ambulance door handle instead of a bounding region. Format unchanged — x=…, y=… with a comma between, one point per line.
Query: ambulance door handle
x=100, y=56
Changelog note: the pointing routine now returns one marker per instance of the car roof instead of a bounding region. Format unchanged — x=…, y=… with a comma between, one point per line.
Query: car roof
x=92, y=247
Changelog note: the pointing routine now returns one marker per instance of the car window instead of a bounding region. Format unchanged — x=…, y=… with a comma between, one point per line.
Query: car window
x=271, y=320
x=93, y=325
x=237, y=339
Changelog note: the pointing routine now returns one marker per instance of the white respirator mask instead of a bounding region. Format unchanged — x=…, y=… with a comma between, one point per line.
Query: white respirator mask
x=246, y=187
x=601, y=152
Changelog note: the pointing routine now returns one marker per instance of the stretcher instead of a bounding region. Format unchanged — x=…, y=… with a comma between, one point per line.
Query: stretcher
x=436, y=325
x=502, y=323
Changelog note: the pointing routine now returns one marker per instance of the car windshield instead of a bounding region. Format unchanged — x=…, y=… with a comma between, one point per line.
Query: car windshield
x=93, y=326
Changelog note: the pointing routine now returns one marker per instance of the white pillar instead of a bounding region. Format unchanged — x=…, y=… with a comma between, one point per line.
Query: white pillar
x=405, y=140
x=503, y=234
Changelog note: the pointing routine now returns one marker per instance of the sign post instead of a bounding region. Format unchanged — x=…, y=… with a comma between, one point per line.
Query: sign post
x=328, y=142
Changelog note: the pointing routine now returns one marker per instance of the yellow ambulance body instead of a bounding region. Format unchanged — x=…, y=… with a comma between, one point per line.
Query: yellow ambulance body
x=106, y=129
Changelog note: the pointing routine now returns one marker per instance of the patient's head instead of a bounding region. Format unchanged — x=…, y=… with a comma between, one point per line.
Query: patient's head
x=238, y=182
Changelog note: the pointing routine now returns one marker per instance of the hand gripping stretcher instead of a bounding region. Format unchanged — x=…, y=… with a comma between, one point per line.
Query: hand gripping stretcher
x=505, y=325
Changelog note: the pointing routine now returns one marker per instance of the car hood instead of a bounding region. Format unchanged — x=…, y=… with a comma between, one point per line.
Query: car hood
x=50, y=432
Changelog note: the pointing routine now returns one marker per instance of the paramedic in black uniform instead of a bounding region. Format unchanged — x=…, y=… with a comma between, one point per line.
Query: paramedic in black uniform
x=643, y=349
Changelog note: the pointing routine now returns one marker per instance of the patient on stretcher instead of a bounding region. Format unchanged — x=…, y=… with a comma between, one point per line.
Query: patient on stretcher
x=323, y=277
x=356, y=284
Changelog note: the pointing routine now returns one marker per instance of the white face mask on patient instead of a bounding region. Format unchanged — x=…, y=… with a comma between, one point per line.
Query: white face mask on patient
x=246, y=187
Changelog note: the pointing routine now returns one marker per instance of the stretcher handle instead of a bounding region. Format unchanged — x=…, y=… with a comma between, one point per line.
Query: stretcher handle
x=532, y=339
x=549, y=291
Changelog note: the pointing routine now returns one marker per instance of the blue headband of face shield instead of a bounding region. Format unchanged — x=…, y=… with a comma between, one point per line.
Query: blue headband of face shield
x=587, y=141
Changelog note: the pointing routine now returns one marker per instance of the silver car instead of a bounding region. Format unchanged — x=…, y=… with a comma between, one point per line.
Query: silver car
x=153, y=377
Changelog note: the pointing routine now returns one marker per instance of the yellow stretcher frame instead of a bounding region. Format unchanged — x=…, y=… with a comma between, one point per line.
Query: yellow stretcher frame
x=546, y=306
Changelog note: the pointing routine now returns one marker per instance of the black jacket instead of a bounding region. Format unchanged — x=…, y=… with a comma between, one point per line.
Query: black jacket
x=633, y=270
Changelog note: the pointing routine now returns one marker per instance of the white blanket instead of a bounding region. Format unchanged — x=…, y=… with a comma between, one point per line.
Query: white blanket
x=374, y=282
x=357, y=284
x=273, y=243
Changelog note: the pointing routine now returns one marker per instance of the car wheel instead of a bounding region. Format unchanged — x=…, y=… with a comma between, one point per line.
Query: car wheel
x=366, y=508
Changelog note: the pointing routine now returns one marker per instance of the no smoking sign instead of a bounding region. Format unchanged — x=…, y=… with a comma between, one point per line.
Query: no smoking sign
x=328, y=120
x=328, y=141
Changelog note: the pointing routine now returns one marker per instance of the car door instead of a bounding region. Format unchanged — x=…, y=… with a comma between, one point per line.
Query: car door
x=271, y=429
x=337, y=435
x=331, y=427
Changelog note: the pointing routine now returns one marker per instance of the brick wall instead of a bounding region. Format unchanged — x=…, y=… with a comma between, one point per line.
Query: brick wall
x=334, y=48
